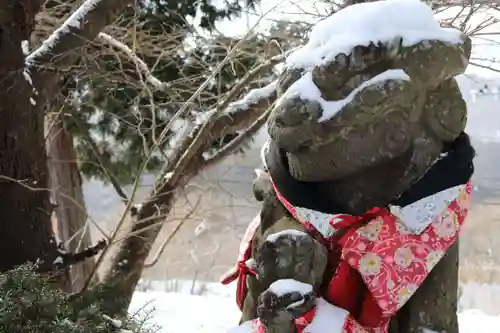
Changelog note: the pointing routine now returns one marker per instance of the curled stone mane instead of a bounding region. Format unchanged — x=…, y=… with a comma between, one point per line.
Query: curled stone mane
x=383, y=120
x=399, y=105
x=359, y=127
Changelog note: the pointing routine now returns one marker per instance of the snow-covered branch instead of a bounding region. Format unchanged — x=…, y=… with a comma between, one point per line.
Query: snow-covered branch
x=186, y=161
x=229, y=116
x=243, y=113
x=156, y=83
x=83, y=25
x=233, y=145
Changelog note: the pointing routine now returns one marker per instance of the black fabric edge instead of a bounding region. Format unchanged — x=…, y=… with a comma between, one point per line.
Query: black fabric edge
x=453, y=169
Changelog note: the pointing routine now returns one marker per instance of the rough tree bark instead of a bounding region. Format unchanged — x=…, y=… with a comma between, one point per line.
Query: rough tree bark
x=25, y=87
x=67, y=194
x=25, y=213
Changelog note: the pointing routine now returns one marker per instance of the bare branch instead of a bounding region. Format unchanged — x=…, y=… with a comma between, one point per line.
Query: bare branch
x=236, y=142
x=25, y=184
x=241, y=114
x=83, y=25
x=187, y=161
x=202, y=135
x=171, y=235
x=484, y=66
x=66, y=259
x=141, y=65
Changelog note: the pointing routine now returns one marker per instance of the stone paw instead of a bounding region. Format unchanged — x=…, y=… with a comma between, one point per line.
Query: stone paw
x=284, y=301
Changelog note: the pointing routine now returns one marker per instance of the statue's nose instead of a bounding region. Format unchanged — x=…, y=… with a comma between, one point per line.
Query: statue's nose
x=293, y=112
x=290, y=119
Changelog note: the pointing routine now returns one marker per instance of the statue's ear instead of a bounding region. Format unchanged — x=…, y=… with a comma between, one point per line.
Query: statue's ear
x=431, y=62
x=261, y=184
x=445, y=111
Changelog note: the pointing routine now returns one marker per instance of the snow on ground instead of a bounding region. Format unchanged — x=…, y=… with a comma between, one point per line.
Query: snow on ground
x=473, y=321
x=177, y=312
x=216, y=311
x=485, y=297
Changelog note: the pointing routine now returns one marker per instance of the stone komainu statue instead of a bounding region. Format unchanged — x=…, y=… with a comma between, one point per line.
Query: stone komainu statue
x=366, y=181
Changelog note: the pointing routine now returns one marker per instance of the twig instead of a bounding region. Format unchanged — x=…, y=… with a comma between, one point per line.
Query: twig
x=171, y=235
x=184, y=109
x=66, y=259
x=77, y=204
x=141, y=65
x=95, y=150
x=162, y=197
x=197, y=138
x=163, y=186
x=485, y=67
x=236, y=142
x=230, y=96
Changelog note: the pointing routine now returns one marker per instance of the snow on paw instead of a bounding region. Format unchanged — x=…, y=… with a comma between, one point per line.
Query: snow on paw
x=332, y=319
x=291, y=254
x=283, y=302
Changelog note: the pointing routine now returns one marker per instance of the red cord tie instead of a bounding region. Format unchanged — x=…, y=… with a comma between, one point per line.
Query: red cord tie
x=242, y=271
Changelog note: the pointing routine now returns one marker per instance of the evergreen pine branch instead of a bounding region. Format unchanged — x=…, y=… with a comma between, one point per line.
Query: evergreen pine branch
x=187, y=161
x=101, y=160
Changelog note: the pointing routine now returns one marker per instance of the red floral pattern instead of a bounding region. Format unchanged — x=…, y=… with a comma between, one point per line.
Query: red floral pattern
x=352, y=326
x=302, y=325
x=392, y=262
x=393, y=256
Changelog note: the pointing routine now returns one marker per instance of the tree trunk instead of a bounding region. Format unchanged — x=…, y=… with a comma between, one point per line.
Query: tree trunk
x=126, y=267
x=25, y=87
x=25, y=208
x=67, y=194
x=128, y=263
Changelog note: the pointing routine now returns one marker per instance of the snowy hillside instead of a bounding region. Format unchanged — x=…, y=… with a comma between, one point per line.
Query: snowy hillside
x=180, y=312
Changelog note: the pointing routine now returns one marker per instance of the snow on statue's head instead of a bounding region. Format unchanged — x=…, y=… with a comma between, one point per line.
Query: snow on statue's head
x=375, y=81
